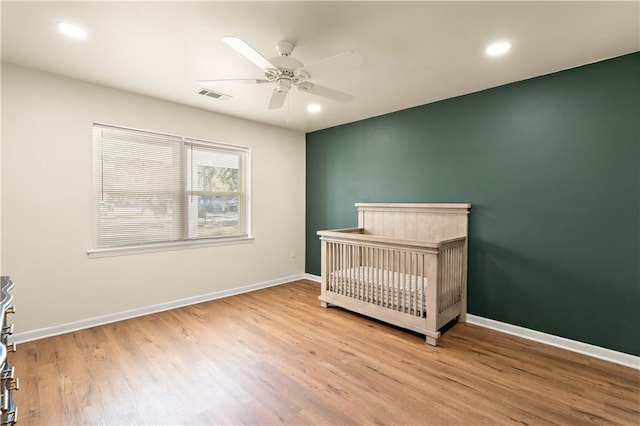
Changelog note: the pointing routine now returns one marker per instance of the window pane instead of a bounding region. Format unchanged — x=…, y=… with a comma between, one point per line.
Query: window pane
x=213, y=171
x=218, y=179
x=135, y=166
x=138, y=182
x=132, y=219
x=213, y=216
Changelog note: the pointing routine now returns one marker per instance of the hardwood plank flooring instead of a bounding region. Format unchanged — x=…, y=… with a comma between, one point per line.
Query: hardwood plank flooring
x=275, y=356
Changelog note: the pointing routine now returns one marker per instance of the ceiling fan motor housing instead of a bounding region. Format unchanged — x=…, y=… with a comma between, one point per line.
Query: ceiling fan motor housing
x=284, y=47
x=286, y=63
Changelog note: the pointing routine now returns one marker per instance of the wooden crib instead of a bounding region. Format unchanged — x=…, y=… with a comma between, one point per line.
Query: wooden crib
x=405, y=264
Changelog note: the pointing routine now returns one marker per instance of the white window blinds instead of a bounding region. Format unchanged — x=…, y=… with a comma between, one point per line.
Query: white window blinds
x=151, y=188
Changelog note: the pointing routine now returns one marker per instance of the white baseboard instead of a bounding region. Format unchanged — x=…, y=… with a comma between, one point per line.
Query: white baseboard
x=312, y=277
x=559, y=342
x=41, y=333
x=616, y=357
x=548, y=339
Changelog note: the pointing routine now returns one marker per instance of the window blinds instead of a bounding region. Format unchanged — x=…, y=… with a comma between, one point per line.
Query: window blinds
x=153, y=188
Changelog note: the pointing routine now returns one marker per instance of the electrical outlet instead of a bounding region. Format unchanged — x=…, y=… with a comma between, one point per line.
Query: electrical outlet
x=293, y=254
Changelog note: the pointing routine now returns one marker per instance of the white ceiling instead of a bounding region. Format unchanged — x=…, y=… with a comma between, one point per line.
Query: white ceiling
x=412, y=53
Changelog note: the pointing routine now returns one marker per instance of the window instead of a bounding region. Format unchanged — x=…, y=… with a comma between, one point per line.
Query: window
x=154, y=190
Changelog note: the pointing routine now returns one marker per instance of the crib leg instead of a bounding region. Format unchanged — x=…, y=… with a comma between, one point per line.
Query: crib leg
x=432, y=341
x=323, y=304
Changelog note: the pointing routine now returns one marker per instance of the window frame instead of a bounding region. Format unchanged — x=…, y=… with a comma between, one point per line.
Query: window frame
x=186, y=145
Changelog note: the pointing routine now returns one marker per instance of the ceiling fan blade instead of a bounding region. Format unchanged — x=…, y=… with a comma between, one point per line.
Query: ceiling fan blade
x=277, y=99
x=234, y=80
x=334, y=63
x=248, y=52
x=325, y=92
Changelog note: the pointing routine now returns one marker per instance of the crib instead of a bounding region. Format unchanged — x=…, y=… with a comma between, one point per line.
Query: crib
x=405, y=264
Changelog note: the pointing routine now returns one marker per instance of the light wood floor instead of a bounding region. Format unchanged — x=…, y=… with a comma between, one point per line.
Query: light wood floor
x=275, y=356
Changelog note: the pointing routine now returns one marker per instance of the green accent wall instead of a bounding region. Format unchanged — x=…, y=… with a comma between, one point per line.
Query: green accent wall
x=551, y=166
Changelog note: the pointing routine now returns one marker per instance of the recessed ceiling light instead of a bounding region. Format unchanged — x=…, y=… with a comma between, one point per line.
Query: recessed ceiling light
x=498, y=48
x=314, y=108
x=71, y=30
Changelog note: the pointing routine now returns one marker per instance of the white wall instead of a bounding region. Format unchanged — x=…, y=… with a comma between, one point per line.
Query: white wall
x=47, y=203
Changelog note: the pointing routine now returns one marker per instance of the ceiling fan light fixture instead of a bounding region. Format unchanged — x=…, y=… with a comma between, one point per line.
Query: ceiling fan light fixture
x=71, y=30
x=284, y=85
x=498, y=48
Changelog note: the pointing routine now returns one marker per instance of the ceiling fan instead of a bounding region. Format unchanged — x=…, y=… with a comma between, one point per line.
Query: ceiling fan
x=286, y=72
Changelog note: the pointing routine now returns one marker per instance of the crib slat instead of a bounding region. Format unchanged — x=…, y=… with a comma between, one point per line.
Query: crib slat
x=330, y=266
x=423, y=286
x=345, y=267
x=354, y=281
x=409, y=282
x=405, y=284
x=369, y=277
x=457, y=268
x=338, y=267
x=445, y=280
x=400, y=276
x=374, y=278
x=351, y=271
x=449, y=277
x=452, y=276
x=391, y=279
x=335, y=267
x=398, y=283
x=387, y=269
x=364, y=266
x=343, y=272
x=379, y=279
x=405, y=281
x=364, y=273
x=419, y=280
x=327, y=267
x=412, y=284
x=372, y=272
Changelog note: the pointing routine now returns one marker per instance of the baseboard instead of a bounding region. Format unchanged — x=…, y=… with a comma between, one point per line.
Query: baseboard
x=312, y=277
x=41, y=333
x=548, y=339
x=616, y=357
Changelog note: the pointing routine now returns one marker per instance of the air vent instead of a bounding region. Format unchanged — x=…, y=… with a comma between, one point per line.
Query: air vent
x=214, y=95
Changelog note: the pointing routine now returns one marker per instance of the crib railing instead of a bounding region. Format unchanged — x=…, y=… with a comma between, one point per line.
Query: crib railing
x=411, y=277
x=451, y=258
x=383, y=276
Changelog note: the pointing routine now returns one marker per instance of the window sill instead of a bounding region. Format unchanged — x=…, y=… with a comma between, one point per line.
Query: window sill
x=153, y=248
